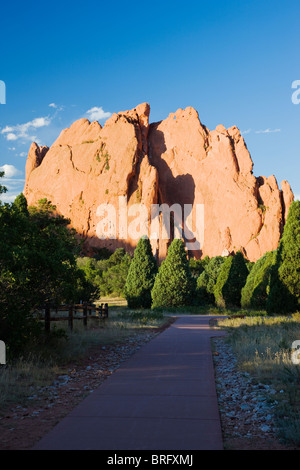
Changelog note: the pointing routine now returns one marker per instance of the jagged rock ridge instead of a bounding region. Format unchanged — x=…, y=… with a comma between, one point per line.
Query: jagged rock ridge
x=175, y=161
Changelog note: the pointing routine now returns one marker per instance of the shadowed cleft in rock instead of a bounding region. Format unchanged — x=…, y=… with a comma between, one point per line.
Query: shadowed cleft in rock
x=175, y=161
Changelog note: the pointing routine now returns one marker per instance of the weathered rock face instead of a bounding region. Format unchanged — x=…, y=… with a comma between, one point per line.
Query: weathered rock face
x=89, y=166
x=106, y=180
x=214, y=168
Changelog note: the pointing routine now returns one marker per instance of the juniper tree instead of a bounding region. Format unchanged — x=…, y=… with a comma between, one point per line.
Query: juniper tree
x=174, y=284
x=207, y=280
x=141, y=275
x=231, y=280
x=255, y=291
x=284, y=295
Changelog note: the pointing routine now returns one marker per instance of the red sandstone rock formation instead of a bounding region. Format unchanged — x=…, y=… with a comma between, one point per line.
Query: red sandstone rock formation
x=175, y=161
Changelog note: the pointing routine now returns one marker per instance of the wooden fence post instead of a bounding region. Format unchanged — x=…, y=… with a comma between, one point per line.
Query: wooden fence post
x=85, y=314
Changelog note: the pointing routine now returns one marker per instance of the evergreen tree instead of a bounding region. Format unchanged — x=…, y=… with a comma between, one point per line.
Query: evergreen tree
x=284, y=295
x=114, y=278
x=231, y=280
x=141, y=275
x=207, y=280
x=255, y=291
x=20, y=205
x=197, y=266
x=174, y=284
x=203, y=297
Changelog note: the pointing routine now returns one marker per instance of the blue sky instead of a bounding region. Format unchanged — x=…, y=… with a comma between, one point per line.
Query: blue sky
x=233, y=61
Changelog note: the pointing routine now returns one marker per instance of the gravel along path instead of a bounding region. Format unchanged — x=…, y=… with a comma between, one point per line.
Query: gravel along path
x=246, y=411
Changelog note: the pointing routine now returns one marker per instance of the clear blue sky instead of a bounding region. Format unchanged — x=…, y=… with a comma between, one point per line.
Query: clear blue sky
x=233, y=61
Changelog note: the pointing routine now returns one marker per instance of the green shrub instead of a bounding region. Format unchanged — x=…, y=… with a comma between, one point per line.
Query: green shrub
x=197, y=266
x=141, y=275
x=249, y=264
x=174, y=284
x=114, y=278
x=108, y=275
x=207, y=280
x=37, y=266
x=231, y=280
x=255, y=292
x=284, y=295
x=203, y=296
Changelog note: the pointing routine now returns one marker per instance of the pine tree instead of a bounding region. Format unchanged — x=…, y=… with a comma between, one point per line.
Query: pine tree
x=231, y=280
x=141, y=275
x=20, y=205
x=284, y=295
x=255, y=291
x=207, y=280
x=174, y=284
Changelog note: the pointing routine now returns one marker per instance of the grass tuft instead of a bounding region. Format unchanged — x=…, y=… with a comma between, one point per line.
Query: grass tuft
x=53, y=353
x=263, y=348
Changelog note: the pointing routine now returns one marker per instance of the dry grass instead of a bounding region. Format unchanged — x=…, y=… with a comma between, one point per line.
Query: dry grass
x=50, y=356
x=113, y=301
x=263, y=348
x=18, y=381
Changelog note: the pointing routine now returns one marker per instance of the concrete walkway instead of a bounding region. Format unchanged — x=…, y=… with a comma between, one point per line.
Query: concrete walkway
x=162, y=398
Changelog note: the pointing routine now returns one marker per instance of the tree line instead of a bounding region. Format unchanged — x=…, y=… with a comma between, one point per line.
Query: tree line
x=41, y=263
x=272, y=283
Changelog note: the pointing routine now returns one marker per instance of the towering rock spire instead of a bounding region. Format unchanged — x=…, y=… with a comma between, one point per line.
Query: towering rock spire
x=177, y=161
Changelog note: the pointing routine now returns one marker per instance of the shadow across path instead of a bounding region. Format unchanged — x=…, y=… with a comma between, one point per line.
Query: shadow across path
x=162, y=398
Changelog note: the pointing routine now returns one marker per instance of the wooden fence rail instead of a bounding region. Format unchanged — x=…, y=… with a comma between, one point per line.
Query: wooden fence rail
x=88, y=311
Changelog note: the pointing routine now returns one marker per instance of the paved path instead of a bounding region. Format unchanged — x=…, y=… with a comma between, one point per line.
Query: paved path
x=162, y=398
